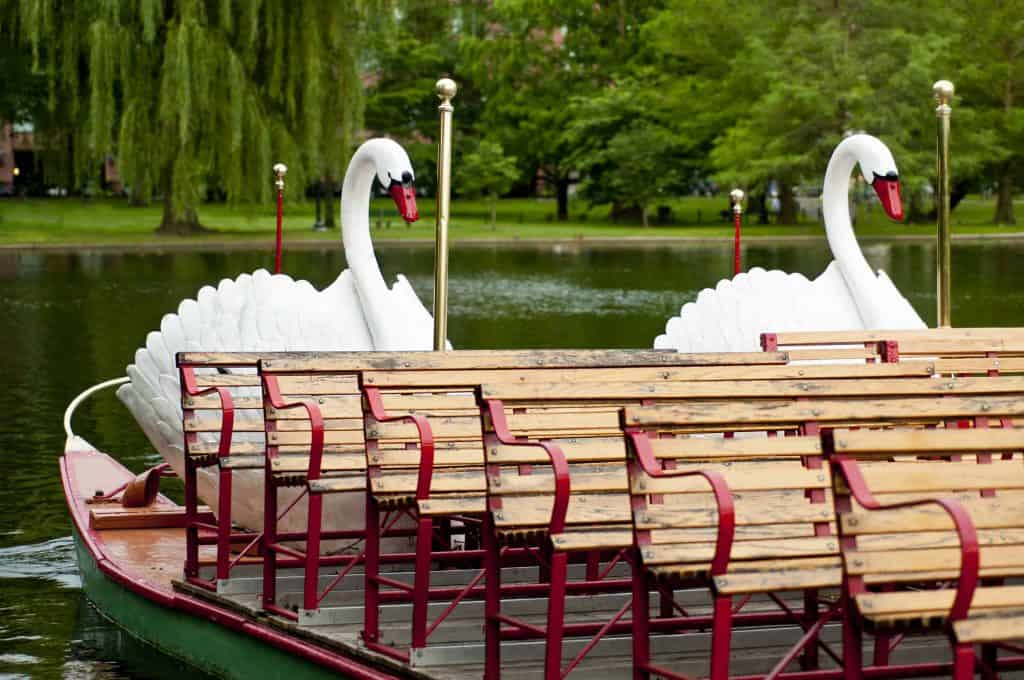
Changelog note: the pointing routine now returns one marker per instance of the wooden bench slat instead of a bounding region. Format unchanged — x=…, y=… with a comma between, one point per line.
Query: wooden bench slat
x=790, y=338
x=776, y=412
x=912, y=562
x=589, y=509
x=797, y=574
x=743, y=550
x=390, y=460
x=932, y=602
x=463, y=379
x=986, y=513
x=739, y=448
x=744, y=532
x=461, y=428
x=329, y=463
x=443, y=481
x=463, y=505
x=608, y=478
x=896, y=477
x=859, y=442
x=212, y=402
x=336, y=484
x=682, y=517
x=990, y=629
x=519, y=359
x=296, y=438
x=746, y=477
x=575, y=450
x=607, y=539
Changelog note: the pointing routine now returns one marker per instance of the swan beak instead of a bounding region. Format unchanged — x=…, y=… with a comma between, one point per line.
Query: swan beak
x=404, y=196
x=888, y=191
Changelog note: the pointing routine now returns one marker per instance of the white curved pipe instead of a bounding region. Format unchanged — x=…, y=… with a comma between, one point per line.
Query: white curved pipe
x=70, y=410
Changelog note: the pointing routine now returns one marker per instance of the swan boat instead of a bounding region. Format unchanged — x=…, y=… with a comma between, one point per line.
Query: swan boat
x=129, y=538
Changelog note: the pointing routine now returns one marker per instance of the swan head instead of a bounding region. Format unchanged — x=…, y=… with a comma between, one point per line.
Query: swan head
x=394, y=171
x=879, y=170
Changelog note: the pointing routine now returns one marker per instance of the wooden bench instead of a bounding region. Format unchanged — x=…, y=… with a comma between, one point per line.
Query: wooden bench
x=578, y=426
x=420, y=429
x=222, y=419
x=778, y=498
x=932, y=523
x=882, y=345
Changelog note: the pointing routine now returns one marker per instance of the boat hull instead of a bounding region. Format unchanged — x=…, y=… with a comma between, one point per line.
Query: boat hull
x=200, y=643
x=127, y=574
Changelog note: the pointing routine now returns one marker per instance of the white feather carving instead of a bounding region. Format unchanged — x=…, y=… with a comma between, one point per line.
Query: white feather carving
x=266, y=312
x=848, y=295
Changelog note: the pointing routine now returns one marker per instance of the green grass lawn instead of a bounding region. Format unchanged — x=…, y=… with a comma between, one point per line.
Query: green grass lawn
x=112, y=221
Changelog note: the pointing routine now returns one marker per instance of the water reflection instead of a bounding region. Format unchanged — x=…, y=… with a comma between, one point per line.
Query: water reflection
x=71, y=320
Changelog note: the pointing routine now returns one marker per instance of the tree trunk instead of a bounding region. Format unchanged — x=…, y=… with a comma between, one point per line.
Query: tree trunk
x=179, y=223
x=787, y=204
x=643, y=216
x=331, y=208
x=493, y=204
x=562, y=194
x=1004, y=199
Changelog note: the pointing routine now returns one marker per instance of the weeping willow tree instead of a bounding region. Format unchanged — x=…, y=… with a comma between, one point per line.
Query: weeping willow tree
x=192, y=95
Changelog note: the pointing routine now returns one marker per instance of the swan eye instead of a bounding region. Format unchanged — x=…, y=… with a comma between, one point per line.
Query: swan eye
x=406, y=177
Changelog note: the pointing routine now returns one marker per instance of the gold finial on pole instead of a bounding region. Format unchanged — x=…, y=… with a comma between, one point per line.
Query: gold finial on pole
x=943, y=90
x=446, y=89
x=736, y=196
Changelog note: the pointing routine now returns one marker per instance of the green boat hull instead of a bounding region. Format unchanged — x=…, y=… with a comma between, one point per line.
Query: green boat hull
x=203, y=644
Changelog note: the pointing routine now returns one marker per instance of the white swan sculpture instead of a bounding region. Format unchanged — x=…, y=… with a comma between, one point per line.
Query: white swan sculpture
x=848, y=295
x=264, y=312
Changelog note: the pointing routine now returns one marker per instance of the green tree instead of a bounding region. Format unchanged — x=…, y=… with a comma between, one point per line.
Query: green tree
x=485, y=171
x=537, y=57
x=202, y=92
x=408, y=49
x=626, y=149
x=990, y=84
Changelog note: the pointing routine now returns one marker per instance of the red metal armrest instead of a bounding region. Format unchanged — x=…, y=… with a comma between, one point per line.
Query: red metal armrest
x=723, y=496
x=227, y=407
x=316, y=422
x=559, y=464
x=966, y=533
x=426, y=435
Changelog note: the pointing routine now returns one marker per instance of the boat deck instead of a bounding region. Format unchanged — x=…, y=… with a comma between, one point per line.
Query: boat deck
x=147, y=546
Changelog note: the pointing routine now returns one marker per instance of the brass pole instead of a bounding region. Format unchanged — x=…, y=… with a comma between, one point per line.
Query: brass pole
x=446, y=89
x=943, y=90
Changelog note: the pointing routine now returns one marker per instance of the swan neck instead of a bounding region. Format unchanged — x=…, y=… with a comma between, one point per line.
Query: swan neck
x=355, y=211
x=859, y=277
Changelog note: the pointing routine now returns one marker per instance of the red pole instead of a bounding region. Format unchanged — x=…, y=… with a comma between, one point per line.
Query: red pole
x=279, y=170
x=737, y=217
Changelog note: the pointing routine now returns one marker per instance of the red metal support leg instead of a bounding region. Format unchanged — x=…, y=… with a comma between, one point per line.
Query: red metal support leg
x=594, y=565
x=721, y=634
x=371, y=587
x=311, y=587
x=809, y=657
x=963, y=661
x=191, y=514
x=556, y=616
x=641, y=623
x=853, y=660
x=492, y=600
x=665, y=608
x=269, y=539
x=421, y=589
x=224, y=526
x=989, y=662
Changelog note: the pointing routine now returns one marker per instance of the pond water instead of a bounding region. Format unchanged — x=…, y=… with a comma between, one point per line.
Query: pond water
x=71, y=320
